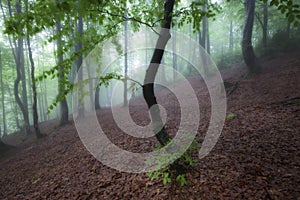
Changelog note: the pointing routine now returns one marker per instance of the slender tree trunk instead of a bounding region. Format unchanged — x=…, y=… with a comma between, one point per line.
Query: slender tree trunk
x=78, y=48
x=125, y=103
x=288, y=30
x=174, y=57
x=231, y=36
x=247, y=48
x=3, y=97
x=97, y=100
x=21, y=77
x=14, y=106
x=148, y=88
x=64, y=110
x=29, y=81
x=265, y=25
x=207, y=38
x=38, y=133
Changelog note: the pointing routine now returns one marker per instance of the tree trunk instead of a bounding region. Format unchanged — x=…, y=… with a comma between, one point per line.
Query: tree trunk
x=3, y=146
x=97, y=100
x=21, y=77
x=288, y=30
x=3, y=98
x=207, y=38
x=148, y=88
x=64, y=110
x=15, y=108
x=265, y=25
x=247, y=48
x=125, y=103
x=231, y=36
x=78, y=48
x=174, y=57
x=38, y=133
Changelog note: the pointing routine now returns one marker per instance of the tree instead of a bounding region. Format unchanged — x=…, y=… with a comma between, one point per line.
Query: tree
x=148, y=88
x=125, y=103
x=2, y=97
x=64, y=110
x=17, y=49
x=78, y=49
x=247, y=47
x=33, y=84
x=264, y=23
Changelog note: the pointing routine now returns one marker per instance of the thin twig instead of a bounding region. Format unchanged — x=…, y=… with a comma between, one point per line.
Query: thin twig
x=130, y=19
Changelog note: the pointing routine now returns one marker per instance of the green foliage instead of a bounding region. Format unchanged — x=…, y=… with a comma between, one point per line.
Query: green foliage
x=168, y=175
x=230, y=116
x=289, y=8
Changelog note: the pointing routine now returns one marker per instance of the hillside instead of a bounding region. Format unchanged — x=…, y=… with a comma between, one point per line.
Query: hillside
x=257, y=156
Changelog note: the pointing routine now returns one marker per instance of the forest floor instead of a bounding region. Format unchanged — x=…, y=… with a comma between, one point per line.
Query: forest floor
x=256, y=157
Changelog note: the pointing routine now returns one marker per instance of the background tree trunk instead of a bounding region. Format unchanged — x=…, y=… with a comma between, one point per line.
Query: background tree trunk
x=125, y=103
x=2, y=97
x=78, y=48
x=231, y=36
x=64, y=110
x=21, y=77
x=247, y=48
x=33, y=84
x=265, y=25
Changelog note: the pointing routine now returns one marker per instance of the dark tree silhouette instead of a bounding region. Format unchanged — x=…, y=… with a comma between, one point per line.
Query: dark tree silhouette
x=247, y=47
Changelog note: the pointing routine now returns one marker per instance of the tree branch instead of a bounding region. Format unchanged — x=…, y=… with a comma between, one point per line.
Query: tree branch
x=130, y=19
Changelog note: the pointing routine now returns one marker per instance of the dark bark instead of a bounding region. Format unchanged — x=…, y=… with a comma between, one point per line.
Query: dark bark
x=2, y=97
x=78, y=48
x=288, y=30
x=148, y=88
x=97, y=100
x=21, y=77
x=64, y=110
x=247, y=48
x=3, y=146
x=265, y=25
x=37, y=131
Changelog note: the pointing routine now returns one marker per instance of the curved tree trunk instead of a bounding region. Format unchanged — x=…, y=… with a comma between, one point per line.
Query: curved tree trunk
x=21, y=78
x=247, y=48
x=148, y=88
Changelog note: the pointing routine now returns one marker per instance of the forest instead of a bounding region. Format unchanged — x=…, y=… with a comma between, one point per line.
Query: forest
x=140, y=99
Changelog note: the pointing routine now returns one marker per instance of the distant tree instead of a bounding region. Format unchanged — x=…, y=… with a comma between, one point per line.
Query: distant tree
x=78, y=49
x=34, y=90
x=247, y=47
x=125, y=103
x=64, y=110
x=2, y=97
x=263, y=21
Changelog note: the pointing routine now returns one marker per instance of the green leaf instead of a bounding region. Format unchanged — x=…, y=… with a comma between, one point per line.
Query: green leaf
x=230, y=116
